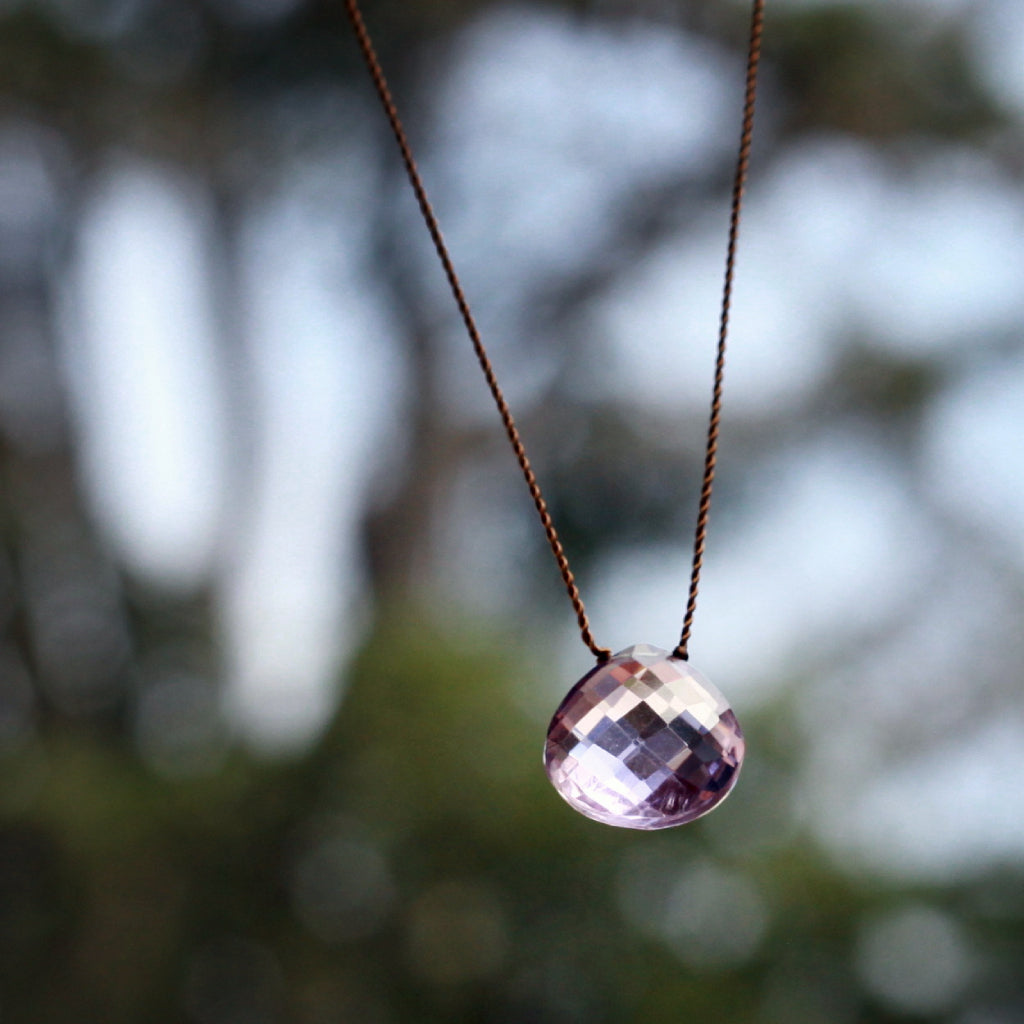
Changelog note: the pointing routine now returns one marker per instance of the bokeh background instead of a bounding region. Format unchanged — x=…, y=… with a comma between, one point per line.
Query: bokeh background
x=280, y=635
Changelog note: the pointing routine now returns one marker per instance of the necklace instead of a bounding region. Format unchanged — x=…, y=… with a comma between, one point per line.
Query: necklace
x=643, y=740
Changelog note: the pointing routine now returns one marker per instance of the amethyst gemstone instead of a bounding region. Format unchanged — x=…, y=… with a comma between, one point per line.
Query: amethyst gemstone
x=644, y=741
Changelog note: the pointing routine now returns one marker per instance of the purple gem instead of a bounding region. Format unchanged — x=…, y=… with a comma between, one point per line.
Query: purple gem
x=644, y=741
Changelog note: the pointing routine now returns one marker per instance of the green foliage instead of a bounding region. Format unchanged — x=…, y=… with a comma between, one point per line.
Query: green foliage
x=416, y=866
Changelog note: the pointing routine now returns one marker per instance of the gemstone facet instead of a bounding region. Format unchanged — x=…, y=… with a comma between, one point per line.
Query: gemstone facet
x=644, y=741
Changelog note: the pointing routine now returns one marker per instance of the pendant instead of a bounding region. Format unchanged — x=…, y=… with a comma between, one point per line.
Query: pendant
x=644, y=741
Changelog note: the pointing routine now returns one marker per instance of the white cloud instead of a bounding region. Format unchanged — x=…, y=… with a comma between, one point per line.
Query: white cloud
x=143, y=373
x=974, y=456
x=829, y=545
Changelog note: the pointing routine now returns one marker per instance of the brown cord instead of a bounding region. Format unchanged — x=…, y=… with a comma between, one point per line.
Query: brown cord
x=704, y=509
x=714, y=421
x=376, y=73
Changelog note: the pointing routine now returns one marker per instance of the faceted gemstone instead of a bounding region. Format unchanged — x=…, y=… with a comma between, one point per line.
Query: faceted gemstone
x=644, y=741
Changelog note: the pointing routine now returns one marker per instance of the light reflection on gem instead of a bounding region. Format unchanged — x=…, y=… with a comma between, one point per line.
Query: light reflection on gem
x=644, y=741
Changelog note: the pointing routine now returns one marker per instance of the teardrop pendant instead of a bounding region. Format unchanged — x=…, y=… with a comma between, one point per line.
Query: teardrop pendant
x=644, y=741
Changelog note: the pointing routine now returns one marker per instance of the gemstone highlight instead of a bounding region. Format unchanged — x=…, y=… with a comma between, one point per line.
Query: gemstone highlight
x=644, y=741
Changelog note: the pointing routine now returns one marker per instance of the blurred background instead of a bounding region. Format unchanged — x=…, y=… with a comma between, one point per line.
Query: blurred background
x=280, y=633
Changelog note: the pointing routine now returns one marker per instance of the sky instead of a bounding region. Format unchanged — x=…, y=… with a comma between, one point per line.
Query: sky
x=834, y=542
